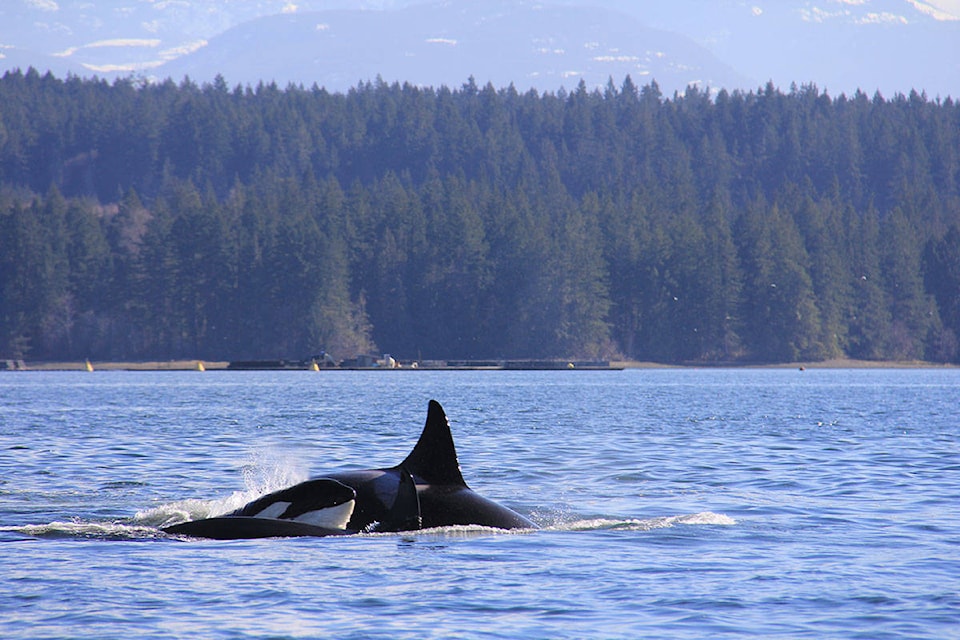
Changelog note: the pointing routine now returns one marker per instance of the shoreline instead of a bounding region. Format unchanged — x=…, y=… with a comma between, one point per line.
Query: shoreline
x=208, y=365
x=835, y=363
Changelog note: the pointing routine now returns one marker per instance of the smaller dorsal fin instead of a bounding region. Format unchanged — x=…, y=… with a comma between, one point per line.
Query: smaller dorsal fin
x=404, y=515
x=434, y=459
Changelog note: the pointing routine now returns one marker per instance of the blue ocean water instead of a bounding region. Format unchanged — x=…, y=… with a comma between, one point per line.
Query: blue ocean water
x=673, y=503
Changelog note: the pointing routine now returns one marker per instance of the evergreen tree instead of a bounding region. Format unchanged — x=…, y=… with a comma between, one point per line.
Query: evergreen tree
x=160, y=220
x=869, y=321
x=780, y=316
x=942, y=276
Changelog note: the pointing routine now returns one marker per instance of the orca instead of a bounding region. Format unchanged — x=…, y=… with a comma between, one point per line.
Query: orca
x=424, y=491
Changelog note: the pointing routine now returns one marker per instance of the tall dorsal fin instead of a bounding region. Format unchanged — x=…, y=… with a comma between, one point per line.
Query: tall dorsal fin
x=434, y=459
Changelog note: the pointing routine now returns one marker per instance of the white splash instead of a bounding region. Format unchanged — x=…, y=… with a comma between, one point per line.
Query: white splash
x=266, y=472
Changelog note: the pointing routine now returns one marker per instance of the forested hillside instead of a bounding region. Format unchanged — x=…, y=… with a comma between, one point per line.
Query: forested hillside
x=174, y=220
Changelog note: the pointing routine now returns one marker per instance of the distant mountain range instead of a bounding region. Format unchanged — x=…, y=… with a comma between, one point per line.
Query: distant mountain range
x=523, y=43
x=840, y=45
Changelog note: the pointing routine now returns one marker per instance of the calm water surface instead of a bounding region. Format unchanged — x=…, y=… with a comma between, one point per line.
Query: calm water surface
x=673, y=503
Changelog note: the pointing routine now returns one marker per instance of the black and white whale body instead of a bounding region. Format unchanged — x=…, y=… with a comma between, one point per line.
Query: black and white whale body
x=425, y=490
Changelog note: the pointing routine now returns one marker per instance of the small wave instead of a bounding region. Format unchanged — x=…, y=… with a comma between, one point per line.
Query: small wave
x=707, y=517
x=645, y=524
x=457, y=531
x=86, y=530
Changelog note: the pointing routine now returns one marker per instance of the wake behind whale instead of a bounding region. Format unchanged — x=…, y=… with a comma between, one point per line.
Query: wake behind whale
x=424, y=493
x=148, y=525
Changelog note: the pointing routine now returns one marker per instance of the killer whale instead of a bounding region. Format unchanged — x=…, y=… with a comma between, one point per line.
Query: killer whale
x=426, y=490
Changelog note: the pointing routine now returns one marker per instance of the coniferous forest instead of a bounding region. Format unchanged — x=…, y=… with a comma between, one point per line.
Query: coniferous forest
x=171, y=220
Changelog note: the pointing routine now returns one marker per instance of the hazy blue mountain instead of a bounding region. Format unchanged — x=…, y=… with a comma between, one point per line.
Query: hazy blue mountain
x=530, y=45
x=840, y=45
x=119, y=37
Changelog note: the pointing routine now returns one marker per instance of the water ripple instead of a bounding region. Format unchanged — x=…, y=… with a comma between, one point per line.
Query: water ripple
x=682, y=504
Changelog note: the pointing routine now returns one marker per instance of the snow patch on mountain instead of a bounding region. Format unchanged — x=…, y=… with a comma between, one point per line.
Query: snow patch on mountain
x=943, y=10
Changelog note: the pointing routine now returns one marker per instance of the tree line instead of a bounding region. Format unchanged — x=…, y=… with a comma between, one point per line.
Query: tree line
x=171, y=220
